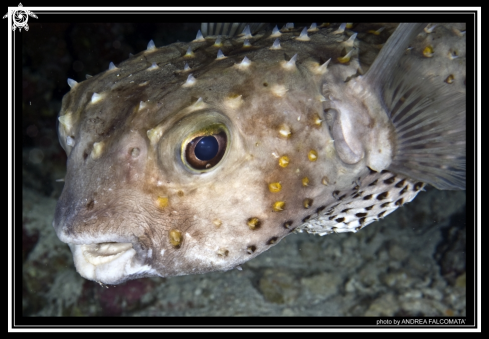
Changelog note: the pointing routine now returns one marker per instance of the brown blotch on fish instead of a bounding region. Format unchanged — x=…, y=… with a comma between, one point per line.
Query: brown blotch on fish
x=222, y=252
x=307, y=202
x=251, y=249
x=418, y=186
x=400, y=183
x=381, y=214
x=371, y=170
x=369, y=208
x=360, y=215
x=390, y=180
x=385, y=204
x=320, y=209
x=339, y=219
x=382, y=196
x=367, y=197
x=272, y=240
x=373, y=183
x=287, y=224
x=399, y=202
x=90, y=205
x=403, y=190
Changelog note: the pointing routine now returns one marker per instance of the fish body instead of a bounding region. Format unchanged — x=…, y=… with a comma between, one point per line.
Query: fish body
x=197, y=157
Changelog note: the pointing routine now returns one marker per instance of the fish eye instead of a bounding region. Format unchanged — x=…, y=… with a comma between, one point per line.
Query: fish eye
x=205, y=149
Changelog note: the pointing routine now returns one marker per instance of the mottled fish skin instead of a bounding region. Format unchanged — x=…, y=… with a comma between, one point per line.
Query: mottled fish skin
x=133, y=206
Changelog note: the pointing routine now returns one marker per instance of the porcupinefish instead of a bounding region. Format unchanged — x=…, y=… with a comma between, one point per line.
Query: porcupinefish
x=196, y=157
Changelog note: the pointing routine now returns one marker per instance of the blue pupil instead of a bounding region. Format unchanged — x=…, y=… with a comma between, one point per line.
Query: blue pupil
x=206, y=148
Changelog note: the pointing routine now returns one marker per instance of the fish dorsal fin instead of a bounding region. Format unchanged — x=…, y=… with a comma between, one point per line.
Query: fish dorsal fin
x=228, y=29
x=392, y=51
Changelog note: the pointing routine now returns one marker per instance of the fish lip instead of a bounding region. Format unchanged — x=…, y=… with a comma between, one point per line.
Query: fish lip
x=111, y=262
x=108, y=258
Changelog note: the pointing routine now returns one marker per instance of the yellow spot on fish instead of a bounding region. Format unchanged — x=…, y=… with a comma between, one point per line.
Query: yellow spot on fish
x=345, y=58
x=284, y=131
x=317, y=120
x=305, y=181
x=283, y=161
x=190, y=53
x=428, y=51
x=217, y=222
x=307, y=203
x=154, y=135
x=377, y=32
x=275, y=187
x=253, y=223
x=175, y=237
x=162, y=202
x=349, y=25
x=312, y=155
x=222, y=252
x=278, y=206
x=218, y=42
x=450, y=79
x=234, y=101
x=67, y=121
x=325, y=181
x=279, y=90
x=98, y=147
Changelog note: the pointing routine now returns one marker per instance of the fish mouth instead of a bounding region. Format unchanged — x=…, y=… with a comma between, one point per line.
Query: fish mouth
x=110, y=262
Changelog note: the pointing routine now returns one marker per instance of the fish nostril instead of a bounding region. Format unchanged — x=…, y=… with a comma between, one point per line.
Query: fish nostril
x=134, y=152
